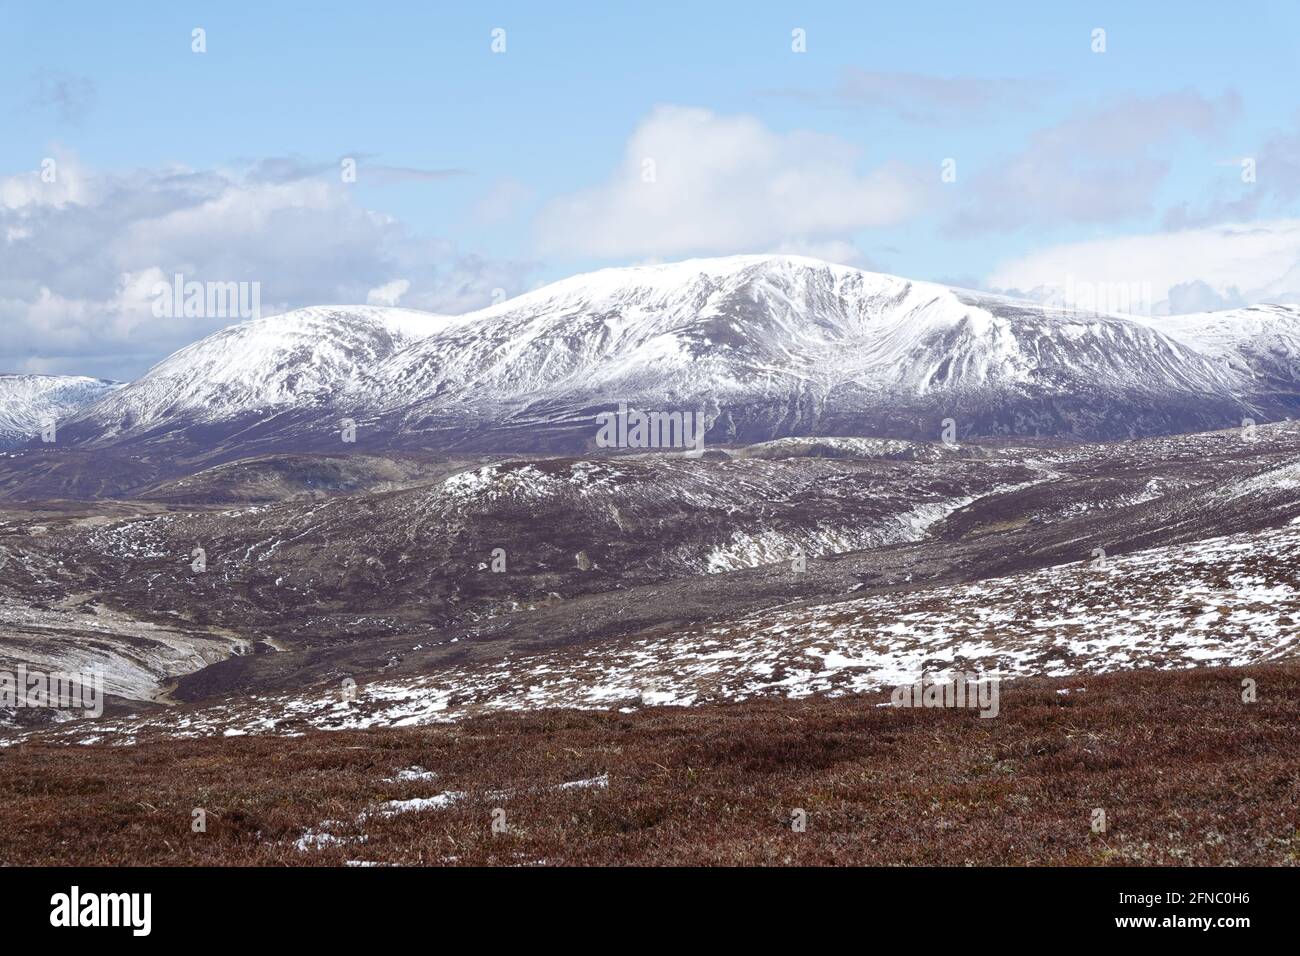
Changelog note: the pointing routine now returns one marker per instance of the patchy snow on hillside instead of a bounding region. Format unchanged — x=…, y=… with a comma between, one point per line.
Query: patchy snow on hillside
x=1230, y=601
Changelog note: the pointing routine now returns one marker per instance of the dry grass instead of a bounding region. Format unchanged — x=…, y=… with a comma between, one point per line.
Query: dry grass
x=1186, y=772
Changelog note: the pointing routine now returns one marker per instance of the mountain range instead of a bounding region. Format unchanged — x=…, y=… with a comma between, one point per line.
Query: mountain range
x=764, y=346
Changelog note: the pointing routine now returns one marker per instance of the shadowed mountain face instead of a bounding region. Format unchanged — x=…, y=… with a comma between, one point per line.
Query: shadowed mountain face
x=762, y=347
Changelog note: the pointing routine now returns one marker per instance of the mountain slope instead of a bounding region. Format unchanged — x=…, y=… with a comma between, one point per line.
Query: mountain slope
x=1261, y=342
x=762, y=346
x=299, y=361
x=29, y=402
x=771, y=346
x=601, y=596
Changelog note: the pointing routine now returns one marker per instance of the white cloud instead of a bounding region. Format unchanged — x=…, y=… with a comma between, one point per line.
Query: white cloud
x=390, y=293
x=79, y=259
x=1185, y=271
x=692, y=182
x=59, y=180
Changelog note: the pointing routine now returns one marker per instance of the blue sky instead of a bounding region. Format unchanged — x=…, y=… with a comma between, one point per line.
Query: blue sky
x=481, y=171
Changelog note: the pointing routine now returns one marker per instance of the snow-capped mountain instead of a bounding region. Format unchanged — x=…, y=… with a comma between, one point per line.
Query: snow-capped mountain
x=762, y=346
x=29, y=402
x=1261, y=341
x=776, y=345
x=299, y=361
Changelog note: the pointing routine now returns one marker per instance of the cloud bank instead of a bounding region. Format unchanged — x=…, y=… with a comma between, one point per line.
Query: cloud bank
x=1192, y=270
x=693, y=182
x=81, y=252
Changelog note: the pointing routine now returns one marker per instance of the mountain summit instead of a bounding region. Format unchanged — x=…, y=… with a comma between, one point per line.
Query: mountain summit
x=764, y=346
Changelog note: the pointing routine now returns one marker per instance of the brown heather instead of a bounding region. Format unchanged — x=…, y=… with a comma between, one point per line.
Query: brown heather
x=1187, y=774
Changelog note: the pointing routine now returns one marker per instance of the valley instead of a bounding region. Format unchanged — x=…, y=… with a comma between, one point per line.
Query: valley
x=589, y=582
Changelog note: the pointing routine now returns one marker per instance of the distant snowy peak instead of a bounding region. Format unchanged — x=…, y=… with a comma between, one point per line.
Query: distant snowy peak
x=29, y=402
x=727, y=322
x=599, y=329
x=783, y=324
x=303, y=358
x=1262, y=340
x=762, y=346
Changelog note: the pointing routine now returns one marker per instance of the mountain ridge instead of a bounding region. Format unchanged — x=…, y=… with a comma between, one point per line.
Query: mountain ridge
x=765, y=346
x=28, y=402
